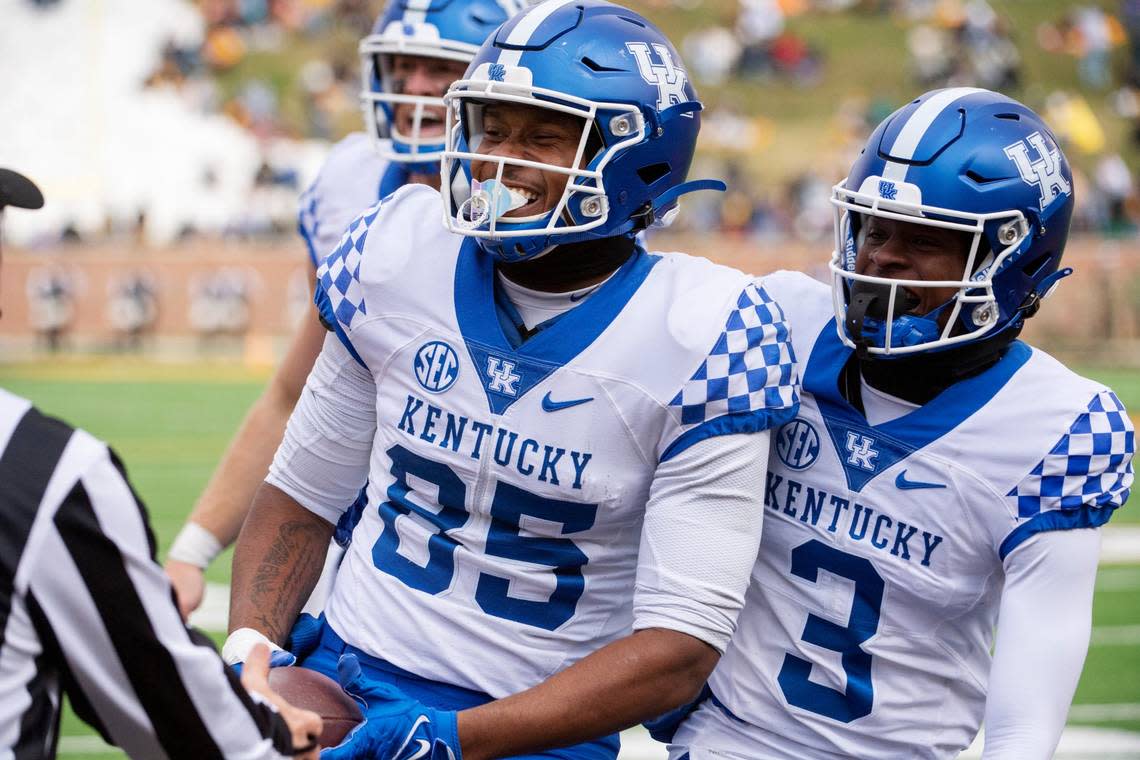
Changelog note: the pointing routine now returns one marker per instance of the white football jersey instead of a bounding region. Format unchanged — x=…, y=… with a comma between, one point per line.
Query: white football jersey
x=351, y=180
x=869, y=621
x=507, y=486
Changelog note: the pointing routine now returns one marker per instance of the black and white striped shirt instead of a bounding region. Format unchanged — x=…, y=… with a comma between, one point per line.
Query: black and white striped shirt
x=86, y=610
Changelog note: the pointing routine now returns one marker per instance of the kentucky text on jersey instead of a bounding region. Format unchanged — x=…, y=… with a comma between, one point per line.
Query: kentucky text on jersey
x=530, y=458
x=861, y=522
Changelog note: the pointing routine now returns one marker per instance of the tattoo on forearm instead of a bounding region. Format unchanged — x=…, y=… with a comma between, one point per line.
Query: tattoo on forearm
x=281, y=578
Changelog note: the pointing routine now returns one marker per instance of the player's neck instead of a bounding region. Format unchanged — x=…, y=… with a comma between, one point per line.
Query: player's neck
x=572, y=266
x=431, y=179
x=921, y=377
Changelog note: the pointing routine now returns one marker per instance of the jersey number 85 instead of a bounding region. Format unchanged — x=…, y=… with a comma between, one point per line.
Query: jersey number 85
x=504, y=539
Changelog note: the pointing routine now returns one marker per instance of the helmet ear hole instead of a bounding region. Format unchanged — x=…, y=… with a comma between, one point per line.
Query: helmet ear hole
x=653, y=172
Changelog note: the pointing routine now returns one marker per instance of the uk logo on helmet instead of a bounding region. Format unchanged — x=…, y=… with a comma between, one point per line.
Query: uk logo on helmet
x=436, y=366
x=1045, y=172
x=668, y=78
x=888, y=190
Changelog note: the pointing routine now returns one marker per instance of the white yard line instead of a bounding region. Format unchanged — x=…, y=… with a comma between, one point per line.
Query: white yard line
x=1082, y=743
x=1121, y=544
x=214, y=612
x=1104, y=713
x=1116, y=636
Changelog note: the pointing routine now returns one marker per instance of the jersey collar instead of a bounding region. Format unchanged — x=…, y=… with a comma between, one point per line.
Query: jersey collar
x=508, y=366
x=866, y=450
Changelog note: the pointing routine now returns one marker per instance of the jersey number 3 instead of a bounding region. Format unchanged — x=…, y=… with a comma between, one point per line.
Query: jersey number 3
x=504, y=539
x=857, y=701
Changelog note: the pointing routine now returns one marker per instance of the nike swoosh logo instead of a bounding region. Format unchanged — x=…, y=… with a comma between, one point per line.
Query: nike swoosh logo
x=550, y=405
x=424, y=747
x=910, y=485
x=423, y=751
x=580, y=296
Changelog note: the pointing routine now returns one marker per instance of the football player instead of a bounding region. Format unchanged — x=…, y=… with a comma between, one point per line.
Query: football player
x=417, y=48
x=941, y=476
x=559, y=429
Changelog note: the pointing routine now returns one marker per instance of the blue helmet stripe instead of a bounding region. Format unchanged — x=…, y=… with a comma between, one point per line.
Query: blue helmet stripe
x=526, y=27
x=912, y=131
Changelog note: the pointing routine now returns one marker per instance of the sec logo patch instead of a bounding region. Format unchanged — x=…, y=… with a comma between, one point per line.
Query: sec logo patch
x=797, y=444
x=436, y=366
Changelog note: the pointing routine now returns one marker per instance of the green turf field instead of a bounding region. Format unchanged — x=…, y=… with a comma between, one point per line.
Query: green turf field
x=170, y=424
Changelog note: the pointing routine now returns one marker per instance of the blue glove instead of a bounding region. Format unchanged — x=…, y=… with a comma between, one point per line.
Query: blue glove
x=305, y=636
x=238, y=644
x=395, y=726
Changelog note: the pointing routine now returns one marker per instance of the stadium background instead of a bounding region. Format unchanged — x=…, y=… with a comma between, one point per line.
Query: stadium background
x=149, y=300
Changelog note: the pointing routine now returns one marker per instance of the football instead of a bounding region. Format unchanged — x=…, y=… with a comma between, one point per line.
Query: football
x=310, y=690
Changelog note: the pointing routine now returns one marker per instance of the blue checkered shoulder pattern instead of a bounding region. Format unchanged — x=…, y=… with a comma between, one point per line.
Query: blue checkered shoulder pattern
x=308, y=224
x=750, y=369
x=1091, y=465
x=339, y=276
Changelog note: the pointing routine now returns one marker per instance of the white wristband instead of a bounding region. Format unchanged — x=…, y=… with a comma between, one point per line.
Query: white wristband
x=240, y=642
x=195, y=545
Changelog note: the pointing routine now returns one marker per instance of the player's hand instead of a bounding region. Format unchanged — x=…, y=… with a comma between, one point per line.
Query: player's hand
x=305, y=726
x=395, y=726
x=241, y=643
x=189, y=583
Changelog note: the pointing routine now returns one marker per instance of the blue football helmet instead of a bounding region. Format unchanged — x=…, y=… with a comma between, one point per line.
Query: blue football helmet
x=623, y=79
x=450, y=30
x=963, y=159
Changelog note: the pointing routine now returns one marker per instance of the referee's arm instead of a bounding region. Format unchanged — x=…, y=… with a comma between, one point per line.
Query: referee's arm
x=102, y=605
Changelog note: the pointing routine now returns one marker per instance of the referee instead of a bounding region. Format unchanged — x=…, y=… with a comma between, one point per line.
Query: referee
x=85, y=609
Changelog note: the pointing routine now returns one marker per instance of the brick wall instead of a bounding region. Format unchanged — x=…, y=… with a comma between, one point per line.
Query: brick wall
x=1094, y=316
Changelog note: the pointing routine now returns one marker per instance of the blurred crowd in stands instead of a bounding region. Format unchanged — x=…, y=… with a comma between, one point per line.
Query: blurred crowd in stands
x=237, y=30
x=745, y=45
x=949, y=43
